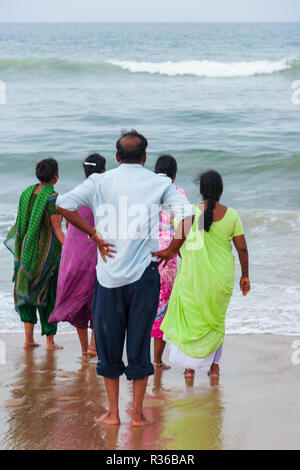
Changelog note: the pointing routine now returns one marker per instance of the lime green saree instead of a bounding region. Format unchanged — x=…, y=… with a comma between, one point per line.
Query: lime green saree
x=195, y=320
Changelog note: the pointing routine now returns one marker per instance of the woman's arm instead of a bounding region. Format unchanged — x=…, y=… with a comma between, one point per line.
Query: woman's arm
x=164, y=256
x=241, y=247
x=55, y=221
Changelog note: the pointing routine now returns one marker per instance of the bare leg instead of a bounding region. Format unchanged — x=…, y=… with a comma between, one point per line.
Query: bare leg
x=214, y=374
x=51, y=346
x=214, y=370
x=159, y=347
x=112, y=390
x=92, y=347
x=189, y=373
x=29, y=339
x=139, y=390
x=84, y=340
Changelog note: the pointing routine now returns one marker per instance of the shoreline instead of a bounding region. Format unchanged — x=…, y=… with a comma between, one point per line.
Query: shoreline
x=50, y=400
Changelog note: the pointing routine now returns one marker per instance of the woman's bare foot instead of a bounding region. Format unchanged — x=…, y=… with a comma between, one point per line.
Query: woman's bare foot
x=214, y=371
x=31, y=345
x=142, y=421
x=53, y=347
x=107, y=418
x=91, y=352
x=189, y=373
x=161, y=365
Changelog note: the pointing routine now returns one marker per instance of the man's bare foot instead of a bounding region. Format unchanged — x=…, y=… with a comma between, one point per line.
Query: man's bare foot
x=107, y=418
x=161, y=365
x=142, y=422
x=31, y=345
x=53, y=347
x=214, y=371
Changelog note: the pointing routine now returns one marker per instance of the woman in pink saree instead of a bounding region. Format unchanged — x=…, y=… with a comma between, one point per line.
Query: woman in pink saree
x=166, y=165
x=77, y=273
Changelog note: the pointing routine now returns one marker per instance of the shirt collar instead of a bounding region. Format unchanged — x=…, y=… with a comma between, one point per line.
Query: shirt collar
x=131, y=165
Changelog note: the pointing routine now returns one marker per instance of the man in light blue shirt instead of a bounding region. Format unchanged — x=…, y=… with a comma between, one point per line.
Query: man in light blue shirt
x=126, y=203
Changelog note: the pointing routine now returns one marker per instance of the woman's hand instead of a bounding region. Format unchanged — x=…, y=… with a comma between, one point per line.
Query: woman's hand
x=245, y=285
x=164, y=256
x=104, y=248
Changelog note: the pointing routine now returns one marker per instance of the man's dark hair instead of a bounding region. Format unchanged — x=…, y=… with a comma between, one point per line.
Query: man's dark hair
x=131, y=147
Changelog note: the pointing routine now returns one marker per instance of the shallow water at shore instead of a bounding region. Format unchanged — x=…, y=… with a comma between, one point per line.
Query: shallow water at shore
x=50, y=401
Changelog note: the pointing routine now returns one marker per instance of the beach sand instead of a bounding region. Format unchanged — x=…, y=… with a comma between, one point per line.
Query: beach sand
x=49, y=401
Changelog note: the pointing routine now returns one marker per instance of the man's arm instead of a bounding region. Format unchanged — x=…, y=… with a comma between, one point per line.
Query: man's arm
x=78, y=197
x=75, y=219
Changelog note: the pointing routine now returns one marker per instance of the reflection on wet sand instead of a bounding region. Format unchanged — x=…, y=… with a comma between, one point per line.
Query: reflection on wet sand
x=51, y=408
x=194, y=421
x=58, y=408
x=186, y=419
x=190, y=418
x=50, y=401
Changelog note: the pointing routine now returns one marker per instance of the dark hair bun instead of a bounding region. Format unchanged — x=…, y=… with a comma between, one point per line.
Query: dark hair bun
x=95, y=163
x=167, y=165
x=46, y=170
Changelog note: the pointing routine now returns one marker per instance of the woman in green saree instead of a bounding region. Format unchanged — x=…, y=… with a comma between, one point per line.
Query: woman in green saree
x=36, y=241
x=194, y=325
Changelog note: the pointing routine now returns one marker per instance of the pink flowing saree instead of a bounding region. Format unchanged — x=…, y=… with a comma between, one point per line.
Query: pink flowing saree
x=76, y=278
x=167, y=274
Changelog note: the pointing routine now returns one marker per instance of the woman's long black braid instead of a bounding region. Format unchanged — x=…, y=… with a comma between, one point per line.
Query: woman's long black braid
x=211, y=189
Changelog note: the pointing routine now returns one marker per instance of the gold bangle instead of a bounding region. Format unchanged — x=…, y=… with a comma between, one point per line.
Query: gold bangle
x=93, y=237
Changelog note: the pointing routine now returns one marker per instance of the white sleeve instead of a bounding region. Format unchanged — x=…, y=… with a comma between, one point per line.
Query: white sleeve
x=176, y=203
x=80, y=196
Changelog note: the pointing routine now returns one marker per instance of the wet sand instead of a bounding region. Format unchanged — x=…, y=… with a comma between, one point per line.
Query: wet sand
x=49, y=401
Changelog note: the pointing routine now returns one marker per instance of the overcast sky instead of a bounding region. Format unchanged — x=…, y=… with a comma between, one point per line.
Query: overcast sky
x=148, y=10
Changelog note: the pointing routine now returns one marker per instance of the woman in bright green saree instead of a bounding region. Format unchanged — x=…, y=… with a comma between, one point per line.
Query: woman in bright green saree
x=194, y=325
x=36, y=241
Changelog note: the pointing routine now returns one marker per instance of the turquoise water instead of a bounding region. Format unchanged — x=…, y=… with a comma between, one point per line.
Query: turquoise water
x=214, y=95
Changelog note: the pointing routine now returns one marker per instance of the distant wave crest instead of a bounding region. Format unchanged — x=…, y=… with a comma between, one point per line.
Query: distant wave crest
x=199, y=68
x=208, y=68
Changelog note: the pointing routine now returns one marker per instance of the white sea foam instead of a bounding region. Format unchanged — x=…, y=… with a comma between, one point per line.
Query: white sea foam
x=267, y=309
x=206, y=68
x=10, y=320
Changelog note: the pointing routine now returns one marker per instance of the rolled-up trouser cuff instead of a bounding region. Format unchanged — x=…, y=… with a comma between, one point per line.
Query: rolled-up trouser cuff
x=111, y=371
x=138, y=372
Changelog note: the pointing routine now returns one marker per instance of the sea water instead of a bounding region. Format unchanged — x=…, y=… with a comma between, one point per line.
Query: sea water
x=215, y=96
